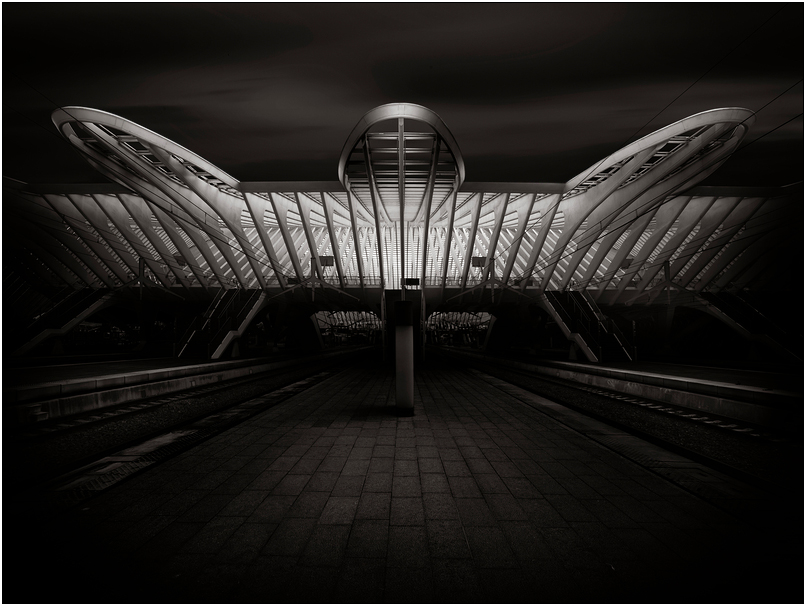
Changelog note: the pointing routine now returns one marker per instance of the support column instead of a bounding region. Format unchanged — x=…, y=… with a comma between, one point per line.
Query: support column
x=404, y=358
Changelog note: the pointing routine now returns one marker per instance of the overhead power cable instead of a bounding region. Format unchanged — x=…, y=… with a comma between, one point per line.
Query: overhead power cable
x=767, y=133
x=708, y=71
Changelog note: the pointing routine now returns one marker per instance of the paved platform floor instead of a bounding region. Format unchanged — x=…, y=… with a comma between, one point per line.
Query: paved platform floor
x=481, y=496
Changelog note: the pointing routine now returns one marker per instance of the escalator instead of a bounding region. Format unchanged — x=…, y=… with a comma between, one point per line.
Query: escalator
x=60, y=319
x=746, y=319
x=225, y=320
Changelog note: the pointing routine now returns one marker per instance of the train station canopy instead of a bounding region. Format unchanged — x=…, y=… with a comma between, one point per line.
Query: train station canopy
x=400, y=215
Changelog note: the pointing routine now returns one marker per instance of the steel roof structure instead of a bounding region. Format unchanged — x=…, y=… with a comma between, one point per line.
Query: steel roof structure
x=402, y=216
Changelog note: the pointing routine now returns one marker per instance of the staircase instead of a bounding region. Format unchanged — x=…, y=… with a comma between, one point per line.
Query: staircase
x=560, y=309
x=226, y=319
x=583, y=323
x=614, y=344
x=66, y=314
x=746, y=319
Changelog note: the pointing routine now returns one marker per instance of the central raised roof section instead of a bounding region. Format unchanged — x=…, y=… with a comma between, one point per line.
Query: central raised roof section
x=399, y=158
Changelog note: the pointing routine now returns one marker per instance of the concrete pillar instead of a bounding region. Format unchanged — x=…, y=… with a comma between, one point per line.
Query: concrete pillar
x=404, y=358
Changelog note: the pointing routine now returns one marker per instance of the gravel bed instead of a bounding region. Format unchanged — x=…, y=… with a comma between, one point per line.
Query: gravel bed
x=778, y=460
x=37, y=459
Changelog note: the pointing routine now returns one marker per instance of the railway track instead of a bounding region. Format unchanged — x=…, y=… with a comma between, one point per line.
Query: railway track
x=747, y=452
x=54, y=449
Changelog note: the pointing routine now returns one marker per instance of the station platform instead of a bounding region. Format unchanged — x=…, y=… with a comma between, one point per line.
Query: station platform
x=40, y=393
x=26, y=376
x=487, y=494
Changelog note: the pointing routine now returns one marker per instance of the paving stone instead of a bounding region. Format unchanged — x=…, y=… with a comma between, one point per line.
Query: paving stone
x=545, y=484
x=378, y=482
x=374, y=505
x=176, y=505
x=406, y=486
x=440, y=506
x=430, y=465
x=265, y=481
x=455, y=581
x=471, y=452
x=151, y=502
x=305, y=466
x=167, y=541
x=381, y=465
x=310, y=585
x=289, y=537
x=245, y=543
x=408, y=586
x=283, y=463
x=526, y=542
x=339, y=510
x=211, y=480
x=571, y=549
x=427, y=452
x=462, y=487
x=340, y=450
x=360, y=454
x=434, y=482
x=206, y=508
x=212, y=535
x=508, y=586
x=322, y=481
x=609, y=514
x=309, y=505
x=490, y=483
x=355, y=467
x=326, y=546
x=522, y=488
x=494, y=455
x=475, y=512
x=245, y=503
x=272, y=509
x=291, y=485
x=348, y=486
x=605, y=487
x=505, y=507
x=316, y=453
x=506, y=469
x=606, y=543
x=489, y=547
x=408, y=547
x=405, y=453
x=570, y=508
x=450, y=454
x=577, y=467
x=456, y=468
x=368, y=539
x=541, y=513
x=578, y=488
x=215, y=582
x=139, y=533
x=406, y=467
x=361, y=580
x=407, y=511
x=446, y=539
x=331, y=463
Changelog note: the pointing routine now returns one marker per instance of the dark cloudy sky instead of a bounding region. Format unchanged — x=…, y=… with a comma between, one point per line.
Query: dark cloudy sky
x=532, y=92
